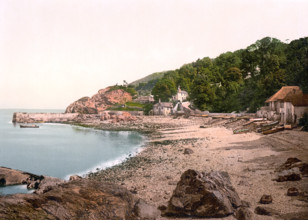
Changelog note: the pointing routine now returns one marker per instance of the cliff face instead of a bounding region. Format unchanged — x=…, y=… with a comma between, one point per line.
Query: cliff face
x=99, y=102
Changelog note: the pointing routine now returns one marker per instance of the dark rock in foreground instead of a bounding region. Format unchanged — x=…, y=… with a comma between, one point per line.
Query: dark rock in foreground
x=259, y=210
x=243, y=213
x=293, y=162
x=293, y=192
x=200, y=194
x=266, y=199
x=289, y=175
x=188, y=151
x=82, y=199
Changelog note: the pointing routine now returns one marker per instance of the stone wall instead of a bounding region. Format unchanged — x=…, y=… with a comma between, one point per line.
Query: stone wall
x=114, y=116
x=22, y=117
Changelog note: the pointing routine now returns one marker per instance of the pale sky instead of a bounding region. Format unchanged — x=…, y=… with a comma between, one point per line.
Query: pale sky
x=53, y=52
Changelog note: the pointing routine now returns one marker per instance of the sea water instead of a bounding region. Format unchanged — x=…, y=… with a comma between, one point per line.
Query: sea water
x=60, y=150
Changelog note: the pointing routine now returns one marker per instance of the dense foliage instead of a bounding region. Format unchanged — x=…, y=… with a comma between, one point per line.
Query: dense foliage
x=240, y=80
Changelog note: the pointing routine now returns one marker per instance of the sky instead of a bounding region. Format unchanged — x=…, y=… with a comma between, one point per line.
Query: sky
x=54, y=52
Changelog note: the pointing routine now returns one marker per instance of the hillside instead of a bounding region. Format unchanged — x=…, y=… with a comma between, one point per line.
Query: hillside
x=145, y=85
x=153, y=76
x=240, y=80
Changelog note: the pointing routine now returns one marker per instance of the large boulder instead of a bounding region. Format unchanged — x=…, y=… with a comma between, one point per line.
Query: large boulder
x=200, y=194
x=82, y=199
x=99, y=102
x=293, y=162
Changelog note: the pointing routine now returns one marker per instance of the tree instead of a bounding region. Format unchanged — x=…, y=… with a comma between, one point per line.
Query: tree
x=163, y=90
x=203, y=93
x=297, y=63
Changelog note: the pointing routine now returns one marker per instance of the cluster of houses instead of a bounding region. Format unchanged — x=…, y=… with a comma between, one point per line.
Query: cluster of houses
x=165, y=108
x=287, y=105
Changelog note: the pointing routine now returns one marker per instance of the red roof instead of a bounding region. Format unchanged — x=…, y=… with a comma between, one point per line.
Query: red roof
x=291, y=94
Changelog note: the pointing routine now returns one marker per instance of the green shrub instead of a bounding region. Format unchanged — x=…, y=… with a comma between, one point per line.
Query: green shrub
x=147, y=108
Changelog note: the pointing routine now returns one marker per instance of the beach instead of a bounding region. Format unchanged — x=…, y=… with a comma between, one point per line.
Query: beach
x=175, y=145
x=264, y=176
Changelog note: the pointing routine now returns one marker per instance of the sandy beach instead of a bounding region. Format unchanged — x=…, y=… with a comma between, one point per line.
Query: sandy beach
x=250, y=159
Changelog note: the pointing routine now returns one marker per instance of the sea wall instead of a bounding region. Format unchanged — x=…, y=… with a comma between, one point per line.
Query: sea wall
x=23, y=117
x=113, y=116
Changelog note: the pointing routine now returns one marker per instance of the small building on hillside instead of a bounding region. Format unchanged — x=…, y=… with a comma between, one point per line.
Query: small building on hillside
x=180, y=96
x=287, y=105
x=162, y=108
x=145, y=99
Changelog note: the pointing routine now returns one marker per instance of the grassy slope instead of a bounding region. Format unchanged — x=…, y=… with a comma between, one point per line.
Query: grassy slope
x=152, y=76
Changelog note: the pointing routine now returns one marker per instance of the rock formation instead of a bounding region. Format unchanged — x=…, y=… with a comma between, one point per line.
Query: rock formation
x=200, y=194
x=80, y=199
x=293, y=162
x=99, y=102
x=16, y=177
x=292, y=170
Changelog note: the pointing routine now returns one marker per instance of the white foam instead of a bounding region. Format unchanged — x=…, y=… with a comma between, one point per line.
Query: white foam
x=109, y=163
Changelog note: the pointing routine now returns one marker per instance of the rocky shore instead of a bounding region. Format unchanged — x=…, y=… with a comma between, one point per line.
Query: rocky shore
x=253, y=162
x=186, y=162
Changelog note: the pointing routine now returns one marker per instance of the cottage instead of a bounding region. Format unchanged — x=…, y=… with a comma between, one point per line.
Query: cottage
x=287, y=105
x=162, y=108
x=180, y=96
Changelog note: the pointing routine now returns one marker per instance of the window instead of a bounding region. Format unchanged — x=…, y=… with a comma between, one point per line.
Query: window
x=281, y=104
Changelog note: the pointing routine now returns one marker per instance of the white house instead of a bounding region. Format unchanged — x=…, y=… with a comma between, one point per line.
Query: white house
x=287, y=105
x=180, y=96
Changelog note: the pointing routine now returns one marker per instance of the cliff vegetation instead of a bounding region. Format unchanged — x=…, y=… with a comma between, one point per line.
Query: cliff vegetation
x=236, y=81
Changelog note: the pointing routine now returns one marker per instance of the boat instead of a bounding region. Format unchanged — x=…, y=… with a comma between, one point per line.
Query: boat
x=29, y=126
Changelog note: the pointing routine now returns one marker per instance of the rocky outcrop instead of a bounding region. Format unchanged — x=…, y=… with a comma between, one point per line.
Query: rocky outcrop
x=16, y=177
x=104, y=99
x=81, y=199
x=200, y=194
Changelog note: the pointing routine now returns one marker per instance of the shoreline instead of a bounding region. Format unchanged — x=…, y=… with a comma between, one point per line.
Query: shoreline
x=250, y=159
